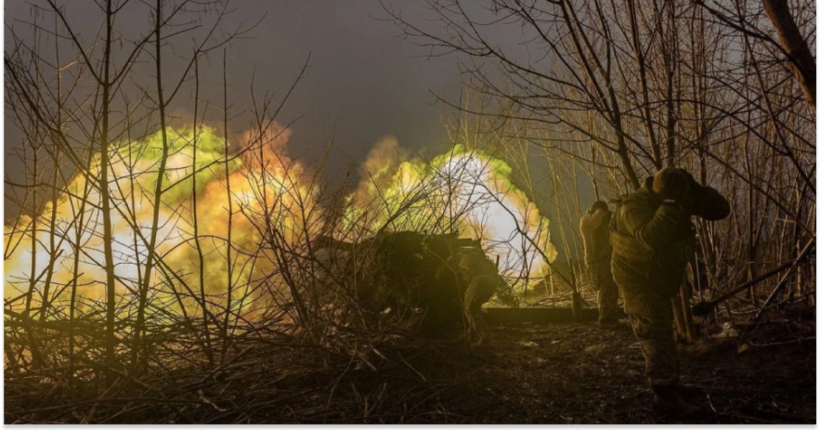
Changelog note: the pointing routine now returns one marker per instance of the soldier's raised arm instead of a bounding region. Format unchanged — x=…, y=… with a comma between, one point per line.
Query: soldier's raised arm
x=709, y=204
x=592, y=221
x=653, y=229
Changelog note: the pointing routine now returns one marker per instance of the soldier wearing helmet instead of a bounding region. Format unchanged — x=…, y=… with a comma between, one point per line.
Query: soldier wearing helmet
x=652, y=236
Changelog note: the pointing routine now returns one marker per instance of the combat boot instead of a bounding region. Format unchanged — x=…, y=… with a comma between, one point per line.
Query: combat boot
x=668, y=401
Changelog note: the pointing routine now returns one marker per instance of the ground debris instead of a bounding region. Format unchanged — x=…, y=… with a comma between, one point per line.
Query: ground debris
x=528, y=373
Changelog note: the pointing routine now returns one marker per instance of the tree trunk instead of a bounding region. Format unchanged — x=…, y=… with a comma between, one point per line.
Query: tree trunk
x=802, y=62
x=108, y=235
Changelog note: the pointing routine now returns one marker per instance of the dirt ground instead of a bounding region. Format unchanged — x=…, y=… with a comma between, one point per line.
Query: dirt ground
x=572, y=373
x=551, y=373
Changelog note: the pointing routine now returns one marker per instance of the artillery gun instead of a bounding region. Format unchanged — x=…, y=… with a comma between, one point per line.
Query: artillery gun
x=441, y=276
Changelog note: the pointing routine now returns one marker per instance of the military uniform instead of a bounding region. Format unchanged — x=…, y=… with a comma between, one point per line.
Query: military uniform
x=652, y=242
x=597, y=256
x=478, y=280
